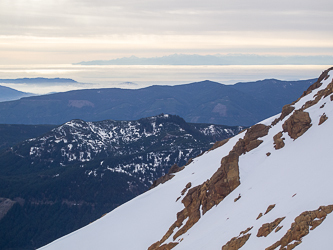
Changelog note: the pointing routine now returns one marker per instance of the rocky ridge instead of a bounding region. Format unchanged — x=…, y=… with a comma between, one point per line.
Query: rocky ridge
x=200, y=199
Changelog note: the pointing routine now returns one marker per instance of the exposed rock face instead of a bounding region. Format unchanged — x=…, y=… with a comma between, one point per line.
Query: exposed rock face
x=297, y=124
x=278, y=141
x=270, y=207
x=188, y=185
x=214, y=190
x=174, y=169
x=168, y=246
x=322, y=93
x=259, y=216
x=236, y=199
x=301, y=227
x=322, y=119
x=317, y=84
x=267, y=228
x=237, y=242
x=286, y=110
x=218, y=144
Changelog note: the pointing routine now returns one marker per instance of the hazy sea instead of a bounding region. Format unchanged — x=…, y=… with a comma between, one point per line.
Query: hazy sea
x=139, y=76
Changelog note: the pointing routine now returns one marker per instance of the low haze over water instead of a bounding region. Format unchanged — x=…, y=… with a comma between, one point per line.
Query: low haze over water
x=138, y=76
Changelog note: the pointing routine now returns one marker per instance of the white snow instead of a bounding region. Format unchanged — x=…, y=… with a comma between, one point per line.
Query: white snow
x=296, y=178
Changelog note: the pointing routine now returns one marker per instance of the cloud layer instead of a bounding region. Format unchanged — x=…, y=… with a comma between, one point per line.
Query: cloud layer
x=62, y=31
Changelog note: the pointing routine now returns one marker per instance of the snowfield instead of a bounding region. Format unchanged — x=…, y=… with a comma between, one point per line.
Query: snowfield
x=295, y=178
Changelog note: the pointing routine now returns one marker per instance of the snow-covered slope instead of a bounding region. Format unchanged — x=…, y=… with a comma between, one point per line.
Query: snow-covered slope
x=267, y=188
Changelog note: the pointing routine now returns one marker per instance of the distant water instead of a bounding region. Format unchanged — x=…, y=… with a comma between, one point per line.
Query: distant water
x=138, y=76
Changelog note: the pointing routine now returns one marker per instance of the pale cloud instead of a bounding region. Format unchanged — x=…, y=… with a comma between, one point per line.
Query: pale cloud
x=75, y=30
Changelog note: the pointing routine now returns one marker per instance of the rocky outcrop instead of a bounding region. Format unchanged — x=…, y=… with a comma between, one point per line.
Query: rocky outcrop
x=202, y=198
x=236, y=199
x=188, y=185
x=317, y=84
x=286, y=110
x=270, y=207
x=322, y=119
x=219, y=144
x=305, y=222
x=250, y=140
x=259, y=216
x=239, y=241
x=165, y=246
x=278, y=141
x=322, y=93
x=267, y=228
x=174, y=169
x=297, y=124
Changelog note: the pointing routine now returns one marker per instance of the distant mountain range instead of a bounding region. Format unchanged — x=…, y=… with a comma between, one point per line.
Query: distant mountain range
x=9, y=94
x=58, y=182
x=230, y=59
x=37, y=80
x=200, y=102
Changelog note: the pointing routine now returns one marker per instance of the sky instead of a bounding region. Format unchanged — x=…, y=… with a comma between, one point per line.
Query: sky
x=69, y=31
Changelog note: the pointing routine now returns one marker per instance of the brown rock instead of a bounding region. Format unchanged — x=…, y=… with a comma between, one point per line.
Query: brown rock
x=322, y=93
x=246, y=231
x=267, y=228
x=317, y=84
x=165, y=246
x=256, y=131
x=286, y=110
x=316, y=223
x=270, y=207
x=236, y=242
x=214, y=190
x=297, y=124
x=300, y=227
x=189, y=162
x=219, y=144
x=278, y=229
x=322, y=119
x=236, y=199
x=259, y=216
x=174, y=169
x=278, y=141
x=188, y=185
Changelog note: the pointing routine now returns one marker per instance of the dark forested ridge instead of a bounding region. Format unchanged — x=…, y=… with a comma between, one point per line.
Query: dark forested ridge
x=11, y=134
x=201, y=102
x=58, y=182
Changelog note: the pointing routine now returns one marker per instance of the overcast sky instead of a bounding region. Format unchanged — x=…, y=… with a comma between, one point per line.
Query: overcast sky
x=68, y=31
